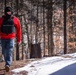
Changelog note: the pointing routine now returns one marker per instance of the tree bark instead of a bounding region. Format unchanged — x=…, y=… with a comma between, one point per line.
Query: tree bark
x=65, y=30
x=50, y=32
x=17, y=46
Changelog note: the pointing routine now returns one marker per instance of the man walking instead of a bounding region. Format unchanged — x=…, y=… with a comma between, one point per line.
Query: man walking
x=9, y=28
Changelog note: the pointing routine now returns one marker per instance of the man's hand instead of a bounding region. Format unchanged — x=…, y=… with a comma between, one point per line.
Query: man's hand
x=19, y=43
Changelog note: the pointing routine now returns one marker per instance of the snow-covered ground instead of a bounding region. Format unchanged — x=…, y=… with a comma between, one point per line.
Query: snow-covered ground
x=57, y=65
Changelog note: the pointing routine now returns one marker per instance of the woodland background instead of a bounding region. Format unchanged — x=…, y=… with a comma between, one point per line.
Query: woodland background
x=48, y=27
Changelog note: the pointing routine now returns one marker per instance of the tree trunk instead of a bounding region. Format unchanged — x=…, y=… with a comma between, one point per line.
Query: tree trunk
x=36, y=37
x=17, y=46
x=50, y=32
x=65, y=33
x=44, y=27
x=5, y=3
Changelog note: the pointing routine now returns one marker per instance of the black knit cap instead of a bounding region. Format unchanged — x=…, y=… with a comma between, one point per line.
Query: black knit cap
x=7, y=9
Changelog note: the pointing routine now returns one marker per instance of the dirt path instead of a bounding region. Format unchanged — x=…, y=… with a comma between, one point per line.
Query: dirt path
x=15, y=64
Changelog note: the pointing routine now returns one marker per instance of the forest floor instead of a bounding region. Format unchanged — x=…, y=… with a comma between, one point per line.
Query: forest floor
x=15, y=64
x=56, y=65
x=21, y=63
